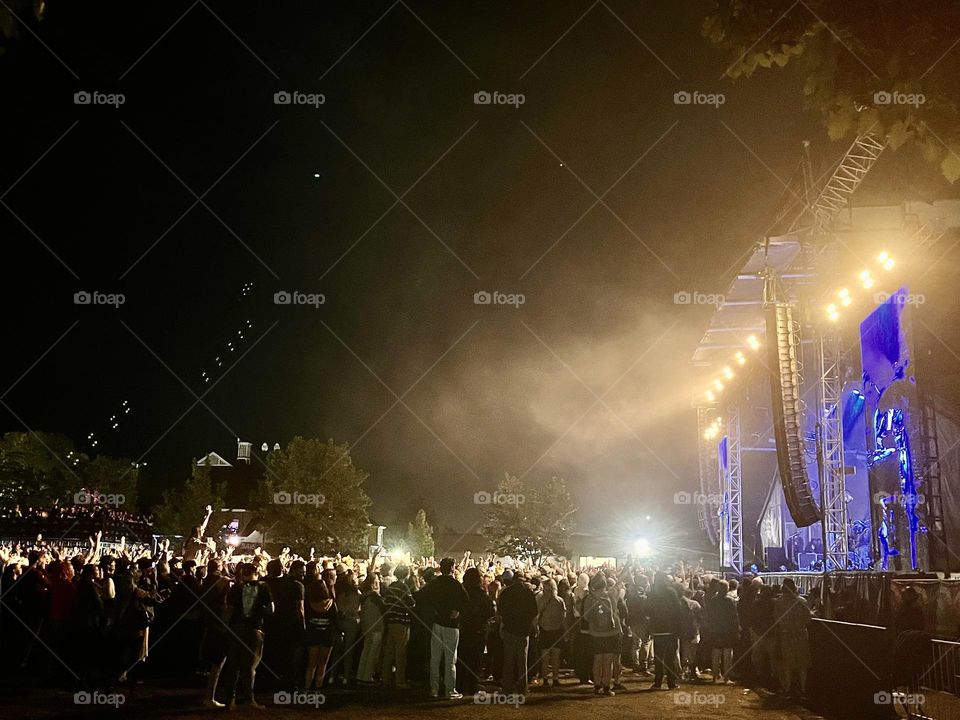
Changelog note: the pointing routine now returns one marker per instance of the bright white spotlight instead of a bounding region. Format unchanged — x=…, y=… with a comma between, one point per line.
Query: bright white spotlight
x=710, y=396
x=728, y=373
x=718, y=385
x=753, y=342
x=643, y=548
x=882, y=257
x=888, y=264
x=741, y=358
x=233, y=540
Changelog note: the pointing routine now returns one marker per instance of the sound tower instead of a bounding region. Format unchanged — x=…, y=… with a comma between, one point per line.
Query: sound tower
x=783, y=351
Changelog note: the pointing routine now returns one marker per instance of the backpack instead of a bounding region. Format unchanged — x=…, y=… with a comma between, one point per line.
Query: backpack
x=598, y=612
x=552, y=615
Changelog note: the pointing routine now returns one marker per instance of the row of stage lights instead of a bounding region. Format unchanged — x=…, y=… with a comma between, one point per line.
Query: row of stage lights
x=727, y=374
x=867, y=281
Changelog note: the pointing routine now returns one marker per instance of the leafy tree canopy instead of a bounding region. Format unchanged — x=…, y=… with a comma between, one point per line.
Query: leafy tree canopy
x=885, y=67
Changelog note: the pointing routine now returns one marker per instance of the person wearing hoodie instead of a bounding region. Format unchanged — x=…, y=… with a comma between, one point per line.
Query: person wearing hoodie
x=723, y=628
x=600, y=613
x=518, y=610
x=473, y=622
x=666, y=613
x=582, y=647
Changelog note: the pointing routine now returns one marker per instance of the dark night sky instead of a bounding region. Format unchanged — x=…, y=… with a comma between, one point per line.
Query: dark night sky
x=514, y=390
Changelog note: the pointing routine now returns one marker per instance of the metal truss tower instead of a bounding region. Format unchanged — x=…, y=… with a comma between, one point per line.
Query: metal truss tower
x=733, y=485
x=833, y=488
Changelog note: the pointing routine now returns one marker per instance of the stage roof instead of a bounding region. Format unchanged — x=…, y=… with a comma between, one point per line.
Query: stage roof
x=741, y=313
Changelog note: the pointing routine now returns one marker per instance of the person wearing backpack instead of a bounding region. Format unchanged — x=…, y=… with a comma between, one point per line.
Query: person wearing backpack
x=551, y=614
x=600, y=614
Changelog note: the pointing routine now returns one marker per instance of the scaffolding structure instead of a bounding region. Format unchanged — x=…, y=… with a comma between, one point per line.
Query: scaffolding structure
x=733, y=489
x=831, y=470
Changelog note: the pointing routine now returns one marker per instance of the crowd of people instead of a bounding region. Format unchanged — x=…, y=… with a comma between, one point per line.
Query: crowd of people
x=74, y=520
x=451, y=628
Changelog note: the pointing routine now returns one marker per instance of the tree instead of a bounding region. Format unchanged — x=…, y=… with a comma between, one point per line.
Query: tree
x=182, y=509
x=38, y=468
x=420, y=536
x=10, y=10
x=312, y=495
x=529, y=522
x=113, y=476
x=855, y=57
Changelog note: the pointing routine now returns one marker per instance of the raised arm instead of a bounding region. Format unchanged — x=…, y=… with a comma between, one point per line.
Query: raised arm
x=206, y=519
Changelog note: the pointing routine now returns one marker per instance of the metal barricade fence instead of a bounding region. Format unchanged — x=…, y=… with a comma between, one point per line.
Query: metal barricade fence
x=932, y=693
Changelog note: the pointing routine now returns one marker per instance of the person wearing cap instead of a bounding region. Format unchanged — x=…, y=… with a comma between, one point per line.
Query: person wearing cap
x=447, y=598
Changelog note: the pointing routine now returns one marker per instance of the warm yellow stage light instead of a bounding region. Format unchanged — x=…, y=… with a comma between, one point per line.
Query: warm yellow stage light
x=753, y=342
x=710, y=396
x=718, y=385
x=728, y=373
x=741, y=358
x=888, y=264
x=882, y=257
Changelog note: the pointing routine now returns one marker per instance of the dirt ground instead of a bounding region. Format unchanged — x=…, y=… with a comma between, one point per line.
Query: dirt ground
x=570, y=700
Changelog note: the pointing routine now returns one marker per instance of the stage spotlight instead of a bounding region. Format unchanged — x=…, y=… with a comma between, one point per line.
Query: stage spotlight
x=728, y=373
x=718, y=385
x=866, y=279
x=882, y=257
x=710, y=396
x=888, y=264
x=844, y=295
x=741, y=358
x=642, y=547
x=753, y=342
x=233, y=540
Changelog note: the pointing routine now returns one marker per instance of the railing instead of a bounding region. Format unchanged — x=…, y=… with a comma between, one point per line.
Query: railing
x=932, y=692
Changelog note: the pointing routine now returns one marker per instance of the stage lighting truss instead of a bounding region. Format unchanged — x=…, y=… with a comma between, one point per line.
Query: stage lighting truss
x=729, y=372
x=865, y=281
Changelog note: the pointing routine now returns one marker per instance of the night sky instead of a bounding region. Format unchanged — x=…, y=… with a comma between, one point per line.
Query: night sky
x=398, y=199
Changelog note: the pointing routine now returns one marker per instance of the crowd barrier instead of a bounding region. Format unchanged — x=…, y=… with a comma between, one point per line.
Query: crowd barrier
x=866, y=671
